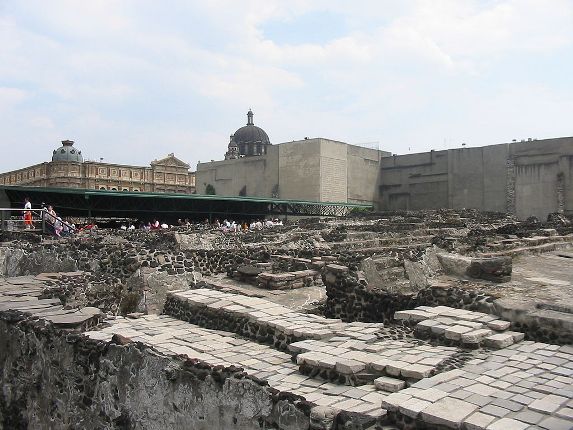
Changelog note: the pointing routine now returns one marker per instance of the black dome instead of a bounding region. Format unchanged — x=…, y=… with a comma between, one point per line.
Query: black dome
x=250, y=133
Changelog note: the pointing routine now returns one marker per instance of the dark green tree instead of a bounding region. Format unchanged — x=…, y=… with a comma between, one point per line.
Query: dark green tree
x=210, y=190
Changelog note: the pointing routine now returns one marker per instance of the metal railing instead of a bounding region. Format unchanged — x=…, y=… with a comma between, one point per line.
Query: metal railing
x=11, y=218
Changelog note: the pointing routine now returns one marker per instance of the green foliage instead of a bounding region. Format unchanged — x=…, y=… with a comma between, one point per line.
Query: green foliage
x=210, y=190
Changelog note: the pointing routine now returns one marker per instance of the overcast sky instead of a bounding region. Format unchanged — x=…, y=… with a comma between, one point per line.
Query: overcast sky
x=131, y=81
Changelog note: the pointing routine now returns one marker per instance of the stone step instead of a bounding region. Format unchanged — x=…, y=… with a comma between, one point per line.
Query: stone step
x=259, y=319
x=537, y=249
x=355, y=362
x=378, y=242
x=171, y=336
x=460, y=326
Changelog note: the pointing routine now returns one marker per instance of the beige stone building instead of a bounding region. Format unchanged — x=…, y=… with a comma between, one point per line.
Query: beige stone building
x=68, y=170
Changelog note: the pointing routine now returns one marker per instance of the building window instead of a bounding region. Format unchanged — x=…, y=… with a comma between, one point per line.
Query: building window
x=125, y=189
x=136, y=189
x=114, y=189
x=102, y=188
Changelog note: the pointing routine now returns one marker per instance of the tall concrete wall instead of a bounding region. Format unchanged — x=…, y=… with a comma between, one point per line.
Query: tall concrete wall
x=525, y=178
x=477, y=178
x=414, y=181
x=259, y=175
x=299, y=170
x=333, y=171
x=311, y=169
x=543, y=175
x=363, y=165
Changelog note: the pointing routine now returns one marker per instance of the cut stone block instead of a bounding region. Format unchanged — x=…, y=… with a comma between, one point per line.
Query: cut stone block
x=498, y=325
x=394, y=367
x=478, y=421
x=447, y=412
x=416, y=371
x=501, y=340
x=349, y=367
x=507, y=424
x=455, y=332
x=413, y=407
x=476, y=336
x=391, y=385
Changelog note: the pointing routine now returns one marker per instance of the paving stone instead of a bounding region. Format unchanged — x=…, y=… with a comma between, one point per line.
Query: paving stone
x=507, y=424
x=478, y=421
x=548, y=404
x=394, y=400
x=528, y=416
x=484, y=390
x=496, y=411
x=463, y=395
x=413, y=407
x=566, y=413
x=431, y=394
x=456, y=332
x=475, y=336
x=447, y=412
x=498, y=325
x=500, y=340
x=478, y=399
x=416, y=371
x=386, y=383
x=507, y=404
x=349, y=367
x=553, y=423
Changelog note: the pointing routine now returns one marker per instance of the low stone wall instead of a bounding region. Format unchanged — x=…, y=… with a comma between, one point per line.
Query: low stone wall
x=53, y=379
x=350, y=299
x=285, y=281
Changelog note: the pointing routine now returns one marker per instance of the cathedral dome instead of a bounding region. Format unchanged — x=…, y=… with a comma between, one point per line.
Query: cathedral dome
x=251, y=139
x=67, y=152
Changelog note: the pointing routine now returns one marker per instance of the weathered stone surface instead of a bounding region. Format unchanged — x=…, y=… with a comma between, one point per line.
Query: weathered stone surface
x=448, y=412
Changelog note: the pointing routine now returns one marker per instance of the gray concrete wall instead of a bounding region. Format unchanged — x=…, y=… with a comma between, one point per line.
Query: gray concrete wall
x=414, y=181
x=333, y=171
x=363, y=165
x=477, y=178
x=539, y=165
x=258, y=174
x=527, y=178
x=299, y=170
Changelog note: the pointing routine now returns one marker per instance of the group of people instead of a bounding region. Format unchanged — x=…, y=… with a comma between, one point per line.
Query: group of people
x=53, y=221
x=233, y=227
x=60, y=227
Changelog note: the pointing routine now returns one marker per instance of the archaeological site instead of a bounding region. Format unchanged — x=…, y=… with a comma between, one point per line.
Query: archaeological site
x=432, y=319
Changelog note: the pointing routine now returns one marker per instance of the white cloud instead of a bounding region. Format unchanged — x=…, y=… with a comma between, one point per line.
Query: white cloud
x=132, y=80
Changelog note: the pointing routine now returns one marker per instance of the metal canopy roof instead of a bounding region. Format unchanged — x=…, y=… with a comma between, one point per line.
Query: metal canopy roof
x=84, y=202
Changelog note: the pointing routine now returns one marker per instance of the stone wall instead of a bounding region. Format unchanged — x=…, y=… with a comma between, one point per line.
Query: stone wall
x=53, y=379
x=350, y=298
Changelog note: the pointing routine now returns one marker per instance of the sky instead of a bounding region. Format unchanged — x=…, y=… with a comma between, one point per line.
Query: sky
x=131, y=81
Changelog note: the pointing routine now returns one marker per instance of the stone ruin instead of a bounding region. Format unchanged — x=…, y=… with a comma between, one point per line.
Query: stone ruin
x=410, y=320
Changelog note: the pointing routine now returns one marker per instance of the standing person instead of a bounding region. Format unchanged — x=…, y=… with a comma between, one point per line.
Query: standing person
x=28, y=224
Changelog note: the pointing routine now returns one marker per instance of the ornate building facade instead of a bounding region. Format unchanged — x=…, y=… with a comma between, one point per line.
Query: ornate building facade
x=68, y=170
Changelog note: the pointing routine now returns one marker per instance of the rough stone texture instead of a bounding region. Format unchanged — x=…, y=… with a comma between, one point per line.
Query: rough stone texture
x=55, y=380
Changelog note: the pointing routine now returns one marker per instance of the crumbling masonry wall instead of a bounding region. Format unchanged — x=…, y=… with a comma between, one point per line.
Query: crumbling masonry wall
x=56, y=379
